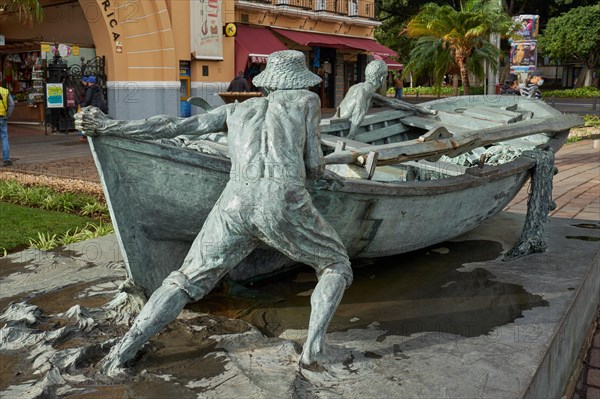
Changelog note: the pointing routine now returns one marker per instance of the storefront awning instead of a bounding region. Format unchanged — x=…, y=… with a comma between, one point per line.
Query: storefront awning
x=392, y=64
x=255, y=44
x=335, y=41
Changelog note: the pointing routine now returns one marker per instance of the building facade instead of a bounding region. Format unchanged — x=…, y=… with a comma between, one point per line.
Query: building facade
x=159, y=52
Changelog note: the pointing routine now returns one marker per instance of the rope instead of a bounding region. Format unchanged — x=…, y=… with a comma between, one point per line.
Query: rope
x=539, y=205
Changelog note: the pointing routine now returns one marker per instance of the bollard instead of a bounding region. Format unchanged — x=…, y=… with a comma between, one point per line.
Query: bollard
x=554, y=101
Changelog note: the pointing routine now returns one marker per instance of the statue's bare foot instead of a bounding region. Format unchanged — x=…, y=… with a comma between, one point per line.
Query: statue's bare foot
x=314, y=366
x=312, y=358
x=113, y=364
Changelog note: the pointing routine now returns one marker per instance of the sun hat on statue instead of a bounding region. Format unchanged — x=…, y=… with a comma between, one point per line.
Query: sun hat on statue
x=286, y=70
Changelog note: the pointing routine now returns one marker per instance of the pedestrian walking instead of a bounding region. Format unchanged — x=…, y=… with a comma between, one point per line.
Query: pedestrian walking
x=398, y=85
x=7, y=105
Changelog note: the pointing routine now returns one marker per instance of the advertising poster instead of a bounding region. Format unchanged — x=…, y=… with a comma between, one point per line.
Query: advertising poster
x=70, y=95
x=54, y=95
x=206, y=29
x=530, y=26
x=523, y=56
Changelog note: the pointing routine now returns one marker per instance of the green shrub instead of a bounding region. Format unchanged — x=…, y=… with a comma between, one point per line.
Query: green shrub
x=46, y=242
x=94, y=209
x=442, y=91
x=48, y=199
x=581, y=92
x=591, y=120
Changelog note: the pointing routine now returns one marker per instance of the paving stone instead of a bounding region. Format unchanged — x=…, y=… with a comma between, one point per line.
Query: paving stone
x=595, y=358
x=596, y=342
x=592, y=393
x=593, y=377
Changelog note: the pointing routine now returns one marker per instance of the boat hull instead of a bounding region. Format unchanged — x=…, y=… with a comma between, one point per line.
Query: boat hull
x=159, y=197
x=159, y=203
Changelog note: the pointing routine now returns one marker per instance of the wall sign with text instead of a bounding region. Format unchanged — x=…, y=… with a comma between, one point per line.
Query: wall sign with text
x=54, y=95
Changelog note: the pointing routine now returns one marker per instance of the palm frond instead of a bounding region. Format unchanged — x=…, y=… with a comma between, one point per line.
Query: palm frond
x=24, y=11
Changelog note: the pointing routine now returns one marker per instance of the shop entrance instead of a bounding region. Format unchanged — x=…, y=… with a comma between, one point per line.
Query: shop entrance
x=323, y=64
x=68, y=79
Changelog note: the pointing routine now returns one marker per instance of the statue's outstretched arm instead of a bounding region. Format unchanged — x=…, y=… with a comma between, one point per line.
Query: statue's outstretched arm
x=358, y=114
x=394, y=103
x=94, y=123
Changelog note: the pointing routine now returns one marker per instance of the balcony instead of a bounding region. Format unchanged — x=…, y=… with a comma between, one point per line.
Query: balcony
x=345, y=8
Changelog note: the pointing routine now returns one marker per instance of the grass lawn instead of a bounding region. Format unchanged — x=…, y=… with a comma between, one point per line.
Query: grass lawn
x=19, y=223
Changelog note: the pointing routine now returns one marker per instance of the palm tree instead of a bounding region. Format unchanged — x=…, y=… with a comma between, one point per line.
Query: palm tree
x=25, y=11
x=430, y=57
x=459, y=38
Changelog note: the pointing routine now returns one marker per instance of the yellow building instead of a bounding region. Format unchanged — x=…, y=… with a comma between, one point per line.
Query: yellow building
x=151, y=46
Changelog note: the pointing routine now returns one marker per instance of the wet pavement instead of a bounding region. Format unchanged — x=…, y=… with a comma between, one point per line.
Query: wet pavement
x=448, y=321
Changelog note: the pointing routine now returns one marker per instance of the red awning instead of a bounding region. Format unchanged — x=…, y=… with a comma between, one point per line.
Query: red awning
x=256, y=44
x=392, y=64
x=335, y=41
x=313, y=39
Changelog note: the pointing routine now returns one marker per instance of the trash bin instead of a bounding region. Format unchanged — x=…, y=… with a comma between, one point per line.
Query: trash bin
x=498, y=88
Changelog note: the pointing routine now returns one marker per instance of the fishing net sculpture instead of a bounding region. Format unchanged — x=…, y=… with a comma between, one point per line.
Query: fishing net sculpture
x=539, y=205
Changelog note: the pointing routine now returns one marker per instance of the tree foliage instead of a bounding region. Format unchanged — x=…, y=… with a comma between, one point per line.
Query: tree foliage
x=25, y=11
x=546, y=9
x=395, y=14
x=456, y=38
x=574, y=35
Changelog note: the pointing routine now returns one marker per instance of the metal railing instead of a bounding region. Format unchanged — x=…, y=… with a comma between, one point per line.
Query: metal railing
x=349, y=8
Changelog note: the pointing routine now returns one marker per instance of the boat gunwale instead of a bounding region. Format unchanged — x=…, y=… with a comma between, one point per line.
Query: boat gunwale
x=348, y=185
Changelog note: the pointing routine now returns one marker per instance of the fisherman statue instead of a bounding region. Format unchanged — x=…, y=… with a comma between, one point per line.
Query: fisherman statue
x=279, y=137
x=360, y=97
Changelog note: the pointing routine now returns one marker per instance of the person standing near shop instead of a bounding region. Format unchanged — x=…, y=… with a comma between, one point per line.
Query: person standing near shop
x=7, y=105
x=81, y=101
x=239, y=84
x=94, y=96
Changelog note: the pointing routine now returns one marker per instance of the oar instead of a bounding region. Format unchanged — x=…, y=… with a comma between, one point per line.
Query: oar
x=394, y=103
x=428, y=146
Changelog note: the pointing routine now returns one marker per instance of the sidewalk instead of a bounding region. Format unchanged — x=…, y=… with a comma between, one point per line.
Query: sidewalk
x=576, y=188
x=56, y=155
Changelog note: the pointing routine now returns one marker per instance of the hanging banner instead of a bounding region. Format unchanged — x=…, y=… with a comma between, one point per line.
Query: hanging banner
x=530, y=27
x=54, y=95
x=206, y=30
x=523, y=56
